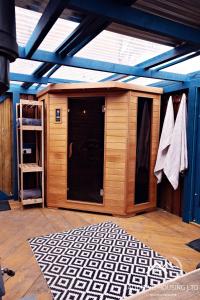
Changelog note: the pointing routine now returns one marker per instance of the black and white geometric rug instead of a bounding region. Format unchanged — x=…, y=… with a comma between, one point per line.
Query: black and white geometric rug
x=99, y=262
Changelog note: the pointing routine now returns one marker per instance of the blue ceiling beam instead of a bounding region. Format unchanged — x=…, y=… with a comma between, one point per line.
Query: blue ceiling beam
x=162, y=58
x=177, y=61
x=49, y=17
x=168, y=88
x=161, y=83
x=16, y=88
x=42, y=80
x=168, y=55
x=3, y=98
x=171, y=63
x=192, y=75
x=53, y=70
x=113, y=77
x=132, y=17
x=89, y=28
x=96, y=65
x=131, y=78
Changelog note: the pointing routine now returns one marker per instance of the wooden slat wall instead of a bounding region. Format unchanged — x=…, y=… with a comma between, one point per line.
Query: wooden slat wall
x=57, y=151
x=116, y=145
x=132, y=151
x=6, y=146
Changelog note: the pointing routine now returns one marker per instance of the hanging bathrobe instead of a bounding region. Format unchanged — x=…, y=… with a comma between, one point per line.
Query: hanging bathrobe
x=177, y=160
x=165, y=140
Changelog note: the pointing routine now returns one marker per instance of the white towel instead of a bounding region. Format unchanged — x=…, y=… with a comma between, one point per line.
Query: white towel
x=165, y=140
x=177, y=160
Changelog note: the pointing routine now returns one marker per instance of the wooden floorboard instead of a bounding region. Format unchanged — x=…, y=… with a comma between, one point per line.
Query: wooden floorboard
x=163, y=232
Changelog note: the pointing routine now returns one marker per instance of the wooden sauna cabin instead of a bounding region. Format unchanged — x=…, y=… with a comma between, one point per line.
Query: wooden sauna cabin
x=101, y=142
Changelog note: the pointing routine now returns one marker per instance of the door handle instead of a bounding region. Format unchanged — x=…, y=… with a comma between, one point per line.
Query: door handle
x=70, y=150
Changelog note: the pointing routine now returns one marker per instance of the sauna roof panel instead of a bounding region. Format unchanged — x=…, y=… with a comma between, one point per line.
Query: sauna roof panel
x=98, y=86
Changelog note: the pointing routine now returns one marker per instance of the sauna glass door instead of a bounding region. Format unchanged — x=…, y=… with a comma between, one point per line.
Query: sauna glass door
x=144, y=116
x=85, y=149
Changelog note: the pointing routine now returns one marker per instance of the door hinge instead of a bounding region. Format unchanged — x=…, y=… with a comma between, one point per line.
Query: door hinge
x=101, y=192
x=103, y=108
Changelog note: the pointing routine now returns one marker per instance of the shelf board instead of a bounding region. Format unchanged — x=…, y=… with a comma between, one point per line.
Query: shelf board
x=30, y=167
x=30, y=127
x=32, y=201
x=30, y=102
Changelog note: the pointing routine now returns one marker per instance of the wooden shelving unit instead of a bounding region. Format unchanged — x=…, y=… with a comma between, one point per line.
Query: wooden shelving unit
x=33, y=195
x=30, y=167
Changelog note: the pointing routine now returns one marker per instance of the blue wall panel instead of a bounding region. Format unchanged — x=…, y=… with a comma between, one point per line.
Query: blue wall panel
x=196, y=196
x=190, y=179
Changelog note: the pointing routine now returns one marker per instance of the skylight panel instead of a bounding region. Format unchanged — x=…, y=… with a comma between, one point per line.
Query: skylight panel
x=185, y=67
x=26, y=20
x=58, y=33
x=23, y=66
x=79, y=74
x=172, y=61
x=122, y=49
x=144, y=81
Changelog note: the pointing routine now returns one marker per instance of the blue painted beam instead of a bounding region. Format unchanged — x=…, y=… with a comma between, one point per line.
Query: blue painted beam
x=113, y=77
x=147, y=63
x=167, y=56
x=88, y=29
x=53, y=70
x=163, y=83
x=3, y=98
x=90, y=64
x=163, y=58
x=51, y=14
x=136, y=18
x=189, y=178
x=41, y=80
x=168, y=88
x=130, y=79
x=172, y=63
x=177, y=61
x=195, y=205
x=192, y=75
x=16, y=88
x=175, y=87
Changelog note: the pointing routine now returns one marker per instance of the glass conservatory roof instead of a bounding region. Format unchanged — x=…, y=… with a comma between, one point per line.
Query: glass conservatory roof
x=108, y=46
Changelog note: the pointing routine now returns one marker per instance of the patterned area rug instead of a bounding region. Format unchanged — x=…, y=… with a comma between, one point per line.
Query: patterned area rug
x=99, y=262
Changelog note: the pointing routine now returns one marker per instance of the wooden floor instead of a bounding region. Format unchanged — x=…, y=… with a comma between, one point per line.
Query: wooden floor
x=160, y=230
